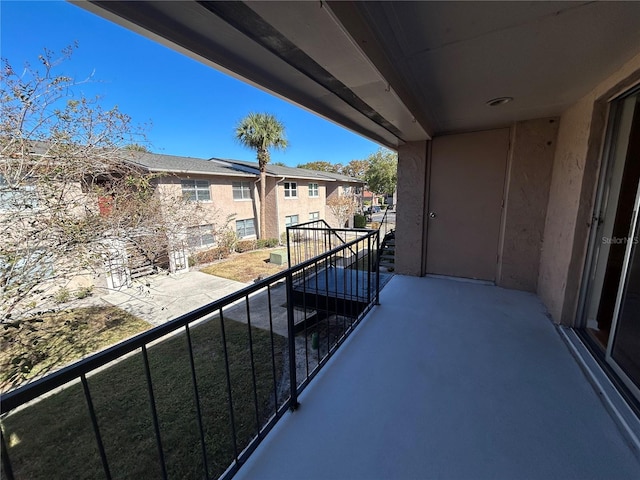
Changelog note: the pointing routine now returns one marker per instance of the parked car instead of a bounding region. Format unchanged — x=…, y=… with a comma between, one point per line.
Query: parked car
x=372, y=209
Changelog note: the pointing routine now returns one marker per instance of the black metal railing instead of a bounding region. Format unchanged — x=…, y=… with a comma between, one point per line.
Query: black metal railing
x=385, y=225
x=310, y=239
x=192, y=398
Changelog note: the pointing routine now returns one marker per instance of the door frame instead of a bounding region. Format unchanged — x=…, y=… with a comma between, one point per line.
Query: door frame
x=614, y=111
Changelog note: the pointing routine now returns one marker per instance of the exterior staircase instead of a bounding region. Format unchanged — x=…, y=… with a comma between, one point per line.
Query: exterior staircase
x=138, y=263
x=388, y=252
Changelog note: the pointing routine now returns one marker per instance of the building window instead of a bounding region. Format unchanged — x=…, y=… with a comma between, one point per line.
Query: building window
x=241, y=191
x=346, y=190
x=314, y=216
x=200, y=236
x=291, y=220
x=290, y=190
x=245, y=228
x=17, y=198
x=196, y=190
x=313, y=190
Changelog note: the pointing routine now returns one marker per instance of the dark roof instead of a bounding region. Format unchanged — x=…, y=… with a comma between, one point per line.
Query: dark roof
x=290, y=172
x=156, y=162
x=342, y=178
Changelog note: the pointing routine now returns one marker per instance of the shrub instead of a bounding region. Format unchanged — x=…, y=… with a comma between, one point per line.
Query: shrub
x=359, y=221
x=84, y=292
x=210, y=255
x=62, y=295
x=267, y=243
x=228, y=240
x=246, y=245
x=294, y=236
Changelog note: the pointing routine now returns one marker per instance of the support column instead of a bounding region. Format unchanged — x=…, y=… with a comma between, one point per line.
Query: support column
x=410, y=209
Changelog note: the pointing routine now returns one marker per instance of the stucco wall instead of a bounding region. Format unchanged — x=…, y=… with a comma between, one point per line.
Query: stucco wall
x=410, y=210
x=271, y=206
x=575, y=171
x=303, y=205
x=528, y=181
x=279, y=206
x=334, y=190
x=222, y=203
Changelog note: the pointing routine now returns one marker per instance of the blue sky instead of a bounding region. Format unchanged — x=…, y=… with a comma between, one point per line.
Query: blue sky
x=192, y=108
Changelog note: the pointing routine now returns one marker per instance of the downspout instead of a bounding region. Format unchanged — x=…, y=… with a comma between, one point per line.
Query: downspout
x=256, y=207
x=278, y=208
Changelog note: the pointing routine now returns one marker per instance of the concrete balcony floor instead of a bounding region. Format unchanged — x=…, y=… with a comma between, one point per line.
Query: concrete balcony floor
x=449, y=380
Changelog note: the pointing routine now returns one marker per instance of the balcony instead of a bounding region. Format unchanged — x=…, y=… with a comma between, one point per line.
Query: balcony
x=443, y=379
x=450, y=380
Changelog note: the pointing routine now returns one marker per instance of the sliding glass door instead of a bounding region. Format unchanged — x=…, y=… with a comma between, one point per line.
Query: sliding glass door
x=623, y=351
x=611, y=314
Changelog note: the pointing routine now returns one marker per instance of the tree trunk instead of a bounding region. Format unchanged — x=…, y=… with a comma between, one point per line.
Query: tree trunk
x=263, y=206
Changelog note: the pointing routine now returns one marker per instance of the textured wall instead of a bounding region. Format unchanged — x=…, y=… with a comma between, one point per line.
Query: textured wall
x=279, y=206
x=222, y=203
x=272, y=207
x=410, y=212
x=530, y=165
x=575, y=172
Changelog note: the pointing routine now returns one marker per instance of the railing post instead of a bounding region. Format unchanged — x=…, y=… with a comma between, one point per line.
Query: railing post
x=288, y=249
x=291, y=337
x=378, y=253
x=370, y=263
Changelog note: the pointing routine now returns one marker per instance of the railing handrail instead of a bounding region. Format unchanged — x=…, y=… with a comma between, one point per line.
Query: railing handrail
x=332, y=230
x=21, y=395
x=384, y=217
x=326, y=228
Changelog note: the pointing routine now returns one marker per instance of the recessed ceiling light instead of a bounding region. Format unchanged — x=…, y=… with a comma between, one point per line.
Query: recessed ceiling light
x=499, y=101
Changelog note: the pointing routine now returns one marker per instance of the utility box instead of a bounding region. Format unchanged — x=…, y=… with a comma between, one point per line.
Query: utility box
x=278, y=257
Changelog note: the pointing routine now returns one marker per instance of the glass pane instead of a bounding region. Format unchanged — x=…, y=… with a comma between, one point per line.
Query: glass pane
x=250, y=228
x=626, y=343
x=615, y=221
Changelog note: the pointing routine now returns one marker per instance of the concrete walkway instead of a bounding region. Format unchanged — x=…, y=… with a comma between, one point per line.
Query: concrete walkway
x=159, y=298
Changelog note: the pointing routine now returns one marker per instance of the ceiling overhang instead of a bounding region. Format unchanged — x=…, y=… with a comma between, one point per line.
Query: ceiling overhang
x=250, y=41
x=397, y=72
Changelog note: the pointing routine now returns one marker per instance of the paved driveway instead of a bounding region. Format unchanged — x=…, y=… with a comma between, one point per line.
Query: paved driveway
x=159, y=298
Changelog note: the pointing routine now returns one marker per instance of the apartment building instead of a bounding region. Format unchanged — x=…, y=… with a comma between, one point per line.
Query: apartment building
x=229, y=190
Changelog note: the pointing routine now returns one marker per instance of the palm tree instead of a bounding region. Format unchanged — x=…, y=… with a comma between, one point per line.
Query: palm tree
x=261, y=131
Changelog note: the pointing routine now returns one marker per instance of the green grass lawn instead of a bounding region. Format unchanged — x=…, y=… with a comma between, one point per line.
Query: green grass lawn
x=50, y=341
x=53, y=438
